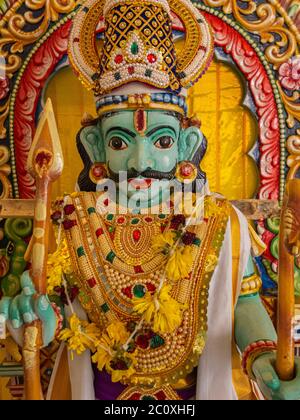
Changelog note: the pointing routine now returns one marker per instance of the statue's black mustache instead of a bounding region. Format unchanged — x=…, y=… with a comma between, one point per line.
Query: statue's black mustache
x=148, y=173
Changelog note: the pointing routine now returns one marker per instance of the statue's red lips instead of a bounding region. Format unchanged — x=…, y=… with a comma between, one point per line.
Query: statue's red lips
x=140, y=183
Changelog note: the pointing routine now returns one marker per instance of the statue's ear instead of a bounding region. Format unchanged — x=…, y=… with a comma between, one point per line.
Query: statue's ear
x=90, y=139
x=189, y=142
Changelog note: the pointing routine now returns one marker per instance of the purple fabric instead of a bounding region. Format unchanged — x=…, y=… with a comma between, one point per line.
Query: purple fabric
x=105, y=389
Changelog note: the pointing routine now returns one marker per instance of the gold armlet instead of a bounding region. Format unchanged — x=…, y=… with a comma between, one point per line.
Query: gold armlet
x=250, y=285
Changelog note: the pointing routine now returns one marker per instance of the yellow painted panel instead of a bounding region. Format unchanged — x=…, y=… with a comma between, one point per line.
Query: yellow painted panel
x=70, y=102
x=231, y=131
x=216, y=99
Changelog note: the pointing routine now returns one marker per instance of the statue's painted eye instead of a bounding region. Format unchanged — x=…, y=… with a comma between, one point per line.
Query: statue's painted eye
x=117, y=143
x=164, y=142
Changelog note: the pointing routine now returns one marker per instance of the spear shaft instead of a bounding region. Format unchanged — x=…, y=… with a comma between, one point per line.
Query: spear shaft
x=45, y=163
x=288, y=249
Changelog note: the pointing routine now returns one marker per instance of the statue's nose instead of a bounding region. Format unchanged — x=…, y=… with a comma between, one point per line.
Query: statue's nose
x=141, y=159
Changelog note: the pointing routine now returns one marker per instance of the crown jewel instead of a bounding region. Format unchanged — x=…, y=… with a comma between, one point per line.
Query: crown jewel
x=135, y=61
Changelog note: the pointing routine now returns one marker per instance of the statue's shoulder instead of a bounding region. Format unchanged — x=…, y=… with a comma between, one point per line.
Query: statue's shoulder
x=216, y=204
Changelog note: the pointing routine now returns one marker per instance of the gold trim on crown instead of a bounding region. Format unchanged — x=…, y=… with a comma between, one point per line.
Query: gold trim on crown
x=168, y=72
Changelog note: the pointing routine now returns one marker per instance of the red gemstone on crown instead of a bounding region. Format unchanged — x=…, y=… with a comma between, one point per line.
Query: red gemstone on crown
x=131, y=70
x=152, y=58
x=119, y=59
x=186, y=170
x=148, y=219
x=136, y=235
x=121, y=220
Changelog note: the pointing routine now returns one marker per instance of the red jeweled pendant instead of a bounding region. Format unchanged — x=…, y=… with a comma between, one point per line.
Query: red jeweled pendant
x=136, y=234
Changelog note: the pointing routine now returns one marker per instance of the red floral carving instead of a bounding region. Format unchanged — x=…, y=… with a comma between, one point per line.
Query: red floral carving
x=34, y=78
x=250, y=65
x=289, y=74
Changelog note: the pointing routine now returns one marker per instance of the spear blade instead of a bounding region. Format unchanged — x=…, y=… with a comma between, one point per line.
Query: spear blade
x=45, y=158
x=45, y=163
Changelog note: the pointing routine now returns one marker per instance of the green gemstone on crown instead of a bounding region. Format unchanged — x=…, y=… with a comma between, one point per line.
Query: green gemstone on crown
x=139, y=291
x=134, y=48
x=135, y=221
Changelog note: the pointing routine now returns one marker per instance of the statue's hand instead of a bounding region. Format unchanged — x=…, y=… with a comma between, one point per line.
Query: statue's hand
x=26, y=308
x=269, y=383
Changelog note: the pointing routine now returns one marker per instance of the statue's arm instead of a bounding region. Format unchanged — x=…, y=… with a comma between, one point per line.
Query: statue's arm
x=253, y=324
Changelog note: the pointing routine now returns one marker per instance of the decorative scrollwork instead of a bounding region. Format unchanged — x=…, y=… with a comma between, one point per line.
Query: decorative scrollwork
x=268, y=21
x=12, y=33
x=5, y=170
x=14, y=38
x=293, y=161
x=292, y=106
x=23, y=24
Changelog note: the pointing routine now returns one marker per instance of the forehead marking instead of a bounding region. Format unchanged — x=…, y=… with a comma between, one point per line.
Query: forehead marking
x=140, y=121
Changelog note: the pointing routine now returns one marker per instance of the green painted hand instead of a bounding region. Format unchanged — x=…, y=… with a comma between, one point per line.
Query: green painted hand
x=27, y=307
x=269, y=383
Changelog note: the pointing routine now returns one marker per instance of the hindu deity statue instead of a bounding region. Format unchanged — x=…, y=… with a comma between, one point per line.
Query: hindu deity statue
x=149, y=299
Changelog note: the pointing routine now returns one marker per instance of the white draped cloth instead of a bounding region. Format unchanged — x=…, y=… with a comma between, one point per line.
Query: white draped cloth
x=214, y=377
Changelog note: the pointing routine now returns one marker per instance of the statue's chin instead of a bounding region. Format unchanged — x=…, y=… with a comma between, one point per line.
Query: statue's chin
x=142, y=194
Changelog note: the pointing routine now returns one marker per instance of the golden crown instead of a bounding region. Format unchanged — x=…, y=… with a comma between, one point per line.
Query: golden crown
x=138, y=46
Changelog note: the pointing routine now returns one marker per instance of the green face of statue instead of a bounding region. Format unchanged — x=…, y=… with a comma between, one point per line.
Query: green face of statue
x=156, y=148
x=146, y=156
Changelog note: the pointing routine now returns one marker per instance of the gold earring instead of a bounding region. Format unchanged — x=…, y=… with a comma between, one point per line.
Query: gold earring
x=186, y=171
x=98, y=172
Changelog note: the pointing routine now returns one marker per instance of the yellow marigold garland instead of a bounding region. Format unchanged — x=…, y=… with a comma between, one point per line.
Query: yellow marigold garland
x=58, y=263
x=111, y=354
x=81, y=335
x=160, y=310
x=180, y=258
x=180, y=263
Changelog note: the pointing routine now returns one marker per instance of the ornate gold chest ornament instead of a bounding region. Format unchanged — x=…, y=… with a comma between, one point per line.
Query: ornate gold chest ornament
x=144, y=351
